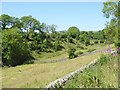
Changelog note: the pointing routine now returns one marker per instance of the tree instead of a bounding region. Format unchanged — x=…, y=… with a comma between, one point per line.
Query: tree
x=74, y=32
x=5, y=21
x=15, y=49
x=30, y=23
x=16, y=23
x=111, y=9
x=53, y=28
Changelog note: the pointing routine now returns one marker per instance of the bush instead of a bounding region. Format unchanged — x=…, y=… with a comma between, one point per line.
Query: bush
x=96, y=41
x=56, y=45
x=71, y=53
x=70, y=39
x=87, y=42
x=104, y=59
x=15, y=49
x=101, y=41
x=117, y=43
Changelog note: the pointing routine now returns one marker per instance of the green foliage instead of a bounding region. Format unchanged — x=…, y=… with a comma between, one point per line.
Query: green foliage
x=15, y=49
x=101, y=41
x=112, y=27
x=30, y=23
x=82, y=38
x=71, y=52
x=35, y=36
x=56, y=45
x=6, y=20
x=105, y=59
x=87, y=42
x=117, y=43
x=101, y=75
x=70, y=39
x=73, y=32
x=110, y=9
x=96, y=41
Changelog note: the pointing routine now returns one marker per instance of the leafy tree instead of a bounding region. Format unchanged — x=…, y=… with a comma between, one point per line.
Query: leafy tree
x=111, y=9
x=5, y=21
x=15, y=49
x=30, y=23
x=53, y=28
x=74, y=32
x=16, y=23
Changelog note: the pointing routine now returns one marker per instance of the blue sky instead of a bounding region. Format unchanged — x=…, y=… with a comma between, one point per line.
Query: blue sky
x=84, y=15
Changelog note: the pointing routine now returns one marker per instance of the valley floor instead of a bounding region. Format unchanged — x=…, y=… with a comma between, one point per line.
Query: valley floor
x=39, y=75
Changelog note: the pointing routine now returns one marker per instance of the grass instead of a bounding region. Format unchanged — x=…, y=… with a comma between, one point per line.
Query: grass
x=63, y=54
x=49, y=56
x=39, y=75
x=97, y=76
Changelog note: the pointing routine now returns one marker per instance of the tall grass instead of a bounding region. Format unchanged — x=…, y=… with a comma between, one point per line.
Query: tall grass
x=104, y=74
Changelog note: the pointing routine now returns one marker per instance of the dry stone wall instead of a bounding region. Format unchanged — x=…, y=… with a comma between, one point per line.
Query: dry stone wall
x=57, y=83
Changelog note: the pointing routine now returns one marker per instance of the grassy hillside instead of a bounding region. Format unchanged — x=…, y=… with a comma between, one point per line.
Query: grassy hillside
x=40, y=75
x=63, y=53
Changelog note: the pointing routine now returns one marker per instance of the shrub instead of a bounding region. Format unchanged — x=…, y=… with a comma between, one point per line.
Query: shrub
x=80, y=46
x=56, y=45
x=101, y=41
x=70, y=39
x=96, y=41
x=71, y=53
x=117, y=43
x=105, y=58
x=87, y=42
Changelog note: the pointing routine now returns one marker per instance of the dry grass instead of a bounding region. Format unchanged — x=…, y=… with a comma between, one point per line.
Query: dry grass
x=40, y=75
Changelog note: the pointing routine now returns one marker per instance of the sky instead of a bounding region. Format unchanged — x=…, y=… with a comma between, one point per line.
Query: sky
x=84, y=15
